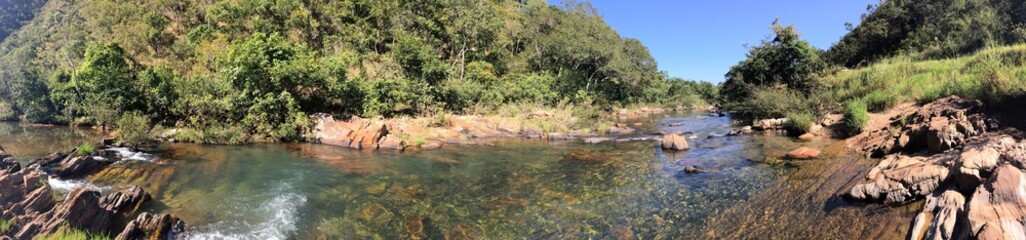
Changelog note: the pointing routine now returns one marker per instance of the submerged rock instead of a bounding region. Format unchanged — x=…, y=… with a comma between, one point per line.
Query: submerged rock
x=803, y=153
x=807, y=137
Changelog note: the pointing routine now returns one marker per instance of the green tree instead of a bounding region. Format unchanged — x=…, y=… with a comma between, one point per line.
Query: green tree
x=786, y=61
x=102, y=88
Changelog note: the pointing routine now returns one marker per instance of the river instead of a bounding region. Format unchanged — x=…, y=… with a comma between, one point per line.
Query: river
x=517, y=189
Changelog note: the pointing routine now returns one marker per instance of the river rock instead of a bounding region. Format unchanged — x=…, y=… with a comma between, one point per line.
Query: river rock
x=674, y=141
x=693, y=169
x=150, y=226
x=899, y=179
x=392, y=142
x=79, y=166
x=948, y=222
x=975, y=164
x=126, y=201
x=998, y=207
x=938, y=126
x=81, y=210
x=803, y=153
x=770, y=124
x=807, y=137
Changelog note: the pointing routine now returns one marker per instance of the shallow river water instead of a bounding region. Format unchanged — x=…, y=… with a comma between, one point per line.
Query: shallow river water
x=518, y=189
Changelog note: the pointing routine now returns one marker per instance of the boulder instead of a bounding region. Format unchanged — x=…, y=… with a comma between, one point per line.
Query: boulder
x=80, y=166
x=803, y=153
x=899, y=179
x=392, y=142
x=674, y=141
x=81, y=210
x=151, y=226
x=948, y=222
x=975, y=164
x=770, y=124
x=747, y=130
x=126, y=201
x=998, y=207
x=693, y=169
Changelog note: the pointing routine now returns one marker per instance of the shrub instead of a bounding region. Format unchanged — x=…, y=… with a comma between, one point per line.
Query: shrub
x=134, y=128
x=770, y=103
x=855, y=116
x=85, y=149
x=798, y=123
x=7, y=111
x=276, y=116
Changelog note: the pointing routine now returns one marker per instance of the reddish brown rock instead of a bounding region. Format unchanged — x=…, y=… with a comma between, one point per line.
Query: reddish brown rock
x=392, y=142
x=126, y=201
x=803, y=153
x=150, y=226
x=807, y=137
x=900, y=179
x=998, y=208
x=79, y=166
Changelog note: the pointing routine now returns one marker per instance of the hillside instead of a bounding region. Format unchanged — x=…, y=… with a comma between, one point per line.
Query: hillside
x=260, y=66
x=931, y=29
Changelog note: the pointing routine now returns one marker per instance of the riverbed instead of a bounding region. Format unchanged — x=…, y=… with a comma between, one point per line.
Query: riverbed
x=516, y=189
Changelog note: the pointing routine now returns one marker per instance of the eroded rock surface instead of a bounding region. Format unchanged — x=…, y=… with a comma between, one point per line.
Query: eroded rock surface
x=150, y=226
x=970, y=173
x=28, y=202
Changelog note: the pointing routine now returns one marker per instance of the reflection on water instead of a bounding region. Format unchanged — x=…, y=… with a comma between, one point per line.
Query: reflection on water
x=28, y=143
x=518, y=189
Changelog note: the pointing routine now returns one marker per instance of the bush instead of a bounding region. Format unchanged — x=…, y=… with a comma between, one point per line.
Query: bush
x=798, y=123
x=7, y=111
x=770, y=103
x=276, y=116
x=85, y=149
x=855, y=116
x=134, y=128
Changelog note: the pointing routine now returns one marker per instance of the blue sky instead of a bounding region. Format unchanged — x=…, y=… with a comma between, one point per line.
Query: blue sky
x=700, y=40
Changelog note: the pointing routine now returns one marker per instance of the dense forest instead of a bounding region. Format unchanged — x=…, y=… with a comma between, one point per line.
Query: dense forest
x=14, y=13
x=261, y=66
x=902, y=51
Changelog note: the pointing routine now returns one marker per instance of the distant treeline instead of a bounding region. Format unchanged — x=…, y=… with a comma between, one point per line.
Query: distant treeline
x=261, y=66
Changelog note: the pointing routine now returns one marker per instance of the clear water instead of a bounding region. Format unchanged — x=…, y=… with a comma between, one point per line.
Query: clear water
x=517, y=189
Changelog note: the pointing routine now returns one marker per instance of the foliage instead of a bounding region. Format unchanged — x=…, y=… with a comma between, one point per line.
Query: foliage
x=133, y=128
x=784, y=61
x=771, y=103
x=990, y=75
x=85, y=149
x=798, y=123
x=235, y=71
x=855, y=117
x=932, y=29
x=14, y=13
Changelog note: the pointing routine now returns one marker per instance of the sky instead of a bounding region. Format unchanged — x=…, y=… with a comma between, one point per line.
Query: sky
x=702, y=39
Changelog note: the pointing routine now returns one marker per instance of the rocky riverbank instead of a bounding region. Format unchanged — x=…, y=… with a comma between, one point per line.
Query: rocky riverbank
x=429, y=133
x=970, y=171
x=30, y=207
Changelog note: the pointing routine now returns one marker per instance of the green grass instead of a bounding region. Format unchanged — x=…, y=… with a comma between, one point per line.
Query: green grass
x=5, y=225
x=990, y=75
x=66, y=233
x=86, y=149
x=855, y=116
x=798, y=123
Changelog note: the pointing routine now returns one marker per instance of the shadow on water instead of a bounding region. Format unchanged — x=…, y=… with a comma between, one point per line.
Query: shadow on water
x=517, y=189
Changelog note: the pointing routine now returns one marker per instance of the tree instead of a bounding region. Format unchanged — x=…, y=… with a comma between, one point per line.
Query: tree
x=785, y=60
x=102, y=88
